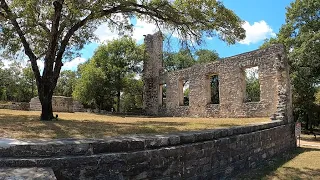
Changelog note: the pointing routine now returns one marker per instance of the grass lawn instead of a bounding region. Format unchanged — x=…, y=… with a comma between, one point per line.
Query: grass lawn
x=26, y=124
x=301, y=163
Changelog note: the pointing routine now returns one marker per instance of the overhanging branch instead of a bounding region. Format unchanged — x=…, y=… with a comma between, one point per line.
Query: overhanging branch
x=44, y=27
x=126, y=7
x=73, y=29
x=12, y=17
x=54, y=37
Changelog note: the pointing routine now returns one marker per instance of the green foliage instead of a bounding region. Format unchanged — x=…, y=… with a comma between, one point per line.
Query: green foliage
x=183, y=59
x=252, y=85
x=131, y=99
x=215, y=89
x=252, y=90
x=109, y=72
x=206, y=56
x=16, y=83
x=300, y=35
x=180, y=60
x=190, y=20
x=91, y=88
x=66, y=83
x=119, y=58
x=54, y=31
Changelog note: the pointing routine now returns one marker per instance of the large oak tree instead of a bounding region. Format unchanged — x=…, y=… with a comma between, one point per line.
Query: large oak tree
x=52, y=30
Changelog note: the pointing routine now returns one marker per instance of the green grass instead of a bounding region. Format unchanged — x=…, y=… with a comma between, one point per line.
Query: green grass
x=26, y=124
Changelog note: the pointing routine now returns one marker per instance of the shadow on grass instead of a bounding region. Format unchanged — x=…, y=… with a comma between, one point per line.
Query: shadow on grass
x=267, y=170
x=296, y=173
x=29, y=126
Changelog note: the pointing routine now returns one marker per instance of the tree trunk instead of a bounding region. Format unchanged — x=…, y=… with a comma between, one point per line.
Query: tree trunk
x=46, y=113
x=118, y=102
x=45, y=92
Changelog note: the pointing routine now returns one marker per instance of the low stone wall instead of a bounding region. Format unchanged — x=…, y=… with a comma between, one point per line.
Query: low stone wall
x=24, y=106
x=59, y=104
x=210, y=154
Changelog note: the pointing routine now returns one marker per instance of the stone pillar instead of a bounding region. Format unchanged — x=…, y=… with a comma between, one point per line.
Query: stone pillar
x=151, y=73
x=284, y=101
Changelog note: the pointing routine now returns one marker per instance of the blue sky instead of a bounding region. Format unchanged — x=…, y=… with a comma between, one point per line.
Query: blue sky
x=263, y=19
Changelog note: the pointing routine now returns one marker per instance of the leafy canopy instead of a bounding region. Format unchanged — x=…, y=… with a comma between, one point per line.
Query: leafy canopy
x=54, y=30
x=184, y=58
x=109, y=71
x=189, y=19
x=300, y=35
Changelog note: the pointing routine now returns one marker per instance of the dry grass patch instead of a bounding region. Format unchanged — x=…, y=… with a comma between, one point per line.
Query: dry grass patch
x=26, y=124
x=301, y=163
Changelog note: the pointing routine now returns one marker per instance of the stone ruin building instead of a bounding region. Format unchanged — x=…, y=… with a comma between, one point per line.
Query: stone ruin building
x=59, y=104
x=207, y=154
x=273, y=70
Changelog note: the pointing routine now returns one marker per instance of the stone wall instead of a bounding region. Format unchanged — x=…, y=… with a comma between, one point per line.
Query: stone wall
x=210, y=154
x=151, y=73
x=273, y=77
x=24, y=106
x=59, y=104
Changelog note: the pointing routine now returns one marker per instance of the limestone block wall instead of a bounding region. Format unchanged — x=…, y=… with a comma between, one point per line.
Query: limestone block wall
x=77, y=106
x=274, y=81
x=209, y=154
x=24, y=106
x=59, y=104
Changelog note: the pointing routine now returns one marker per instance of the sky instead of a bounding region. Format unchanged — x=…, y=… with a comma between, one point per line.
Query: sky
x=263, y=19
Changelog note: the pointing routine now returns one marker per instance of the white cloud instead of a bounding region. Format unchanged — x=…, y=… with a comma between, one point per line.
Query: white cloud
x=70, y=65
x=141, y=28
x=73, y=64
x=256, y=32
x=104, y=33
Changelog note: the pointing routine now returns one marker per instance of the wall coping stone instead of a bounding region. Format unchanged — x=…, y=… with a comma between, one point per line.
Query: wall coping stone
x=127, y=143
x=27, y=173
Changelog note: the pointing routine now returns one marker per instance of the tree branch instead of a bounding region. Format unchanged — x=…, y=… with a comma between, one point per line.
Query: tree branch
x=44, y=27
x=54, y=37
x=126, y=7
x=12, y=17
x=2, y=15
x=73, y=29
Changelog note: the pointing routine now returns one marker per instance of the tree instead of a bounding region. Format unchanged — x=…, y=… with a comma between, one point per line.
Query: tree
x=116, y=64
x=91, y=87
x=206, y=56
x=252, y=85
x=4, y=82
x=52, y=30
x=300, y=35
x=176, y=61
x=65, y=84
x=184, y=58
x=119, y=58
x=30, y=81
x=16, y=83
x=131, y=99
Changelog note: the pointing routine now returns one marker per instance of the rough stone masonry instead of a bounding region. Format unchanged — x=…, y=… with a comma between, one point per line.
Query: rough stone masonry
x=59, y=104
x=207, y=154
x=275, y=91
